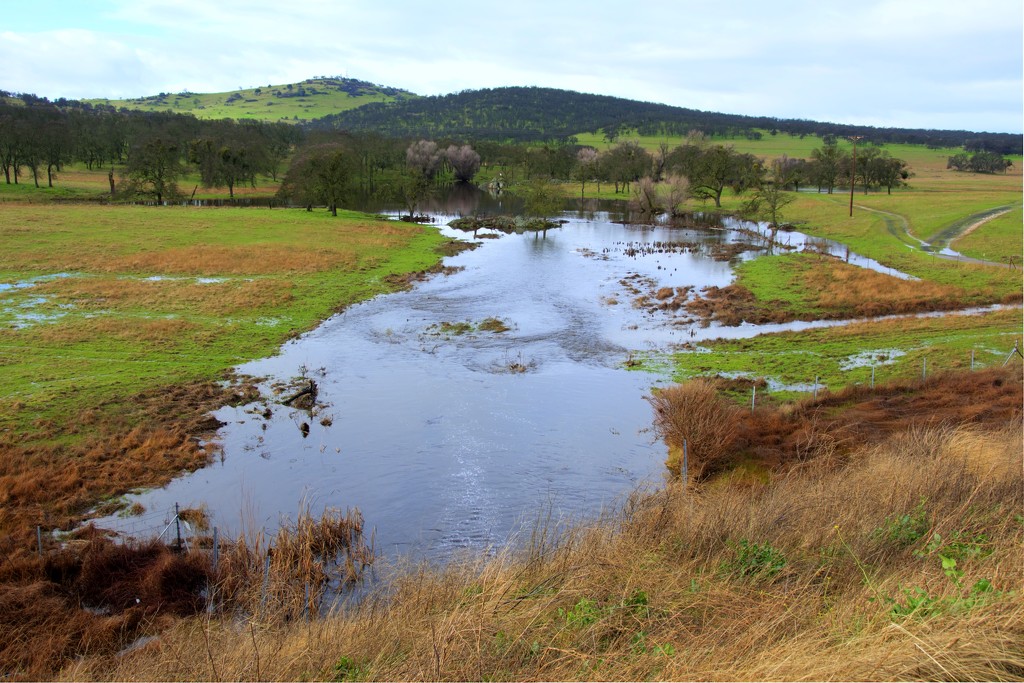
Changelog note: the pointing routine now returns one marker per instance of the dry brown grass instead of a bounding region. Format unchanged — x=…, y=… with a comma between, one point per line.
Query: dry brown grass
x=657, y=591
x=850, y=290
x=212, y=298
x=95, y=597
x=826, y=288
x=255, y=259
x=55, y=484
x=694, y=413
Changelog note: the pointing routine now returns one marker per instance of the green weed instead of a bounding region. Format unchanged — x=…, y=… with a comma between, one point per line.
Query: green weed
x=347, y=669
x=582, y=614
x=906, y=529
x=755, y=560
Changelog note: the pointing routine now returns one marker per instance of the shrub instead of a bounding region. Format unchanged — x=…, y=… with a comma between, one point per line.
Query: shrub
x=694, y=412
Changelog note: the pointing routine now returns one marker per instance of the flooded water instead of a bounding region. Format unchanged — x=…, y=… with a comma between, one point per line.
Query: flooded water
x=449, y=434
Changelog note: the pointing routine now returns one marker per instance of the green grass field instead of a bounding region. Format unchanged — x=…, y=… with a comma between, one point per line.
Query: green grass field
x=266, y=103
x=843, y=356
x=101, y=302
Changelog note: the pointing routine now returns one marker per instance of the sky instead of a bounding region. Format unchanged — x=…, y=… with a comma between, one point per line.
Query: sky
x=942, y=64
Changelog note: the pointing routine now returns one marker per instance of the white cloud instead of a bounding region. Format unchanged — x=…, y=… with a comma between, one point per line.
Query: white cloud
x=914, y=60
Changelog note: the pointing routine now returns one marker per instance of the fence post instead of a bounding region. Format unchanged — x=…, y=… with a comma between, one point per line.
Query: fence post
x=177, y=524
x=686, y=465
x=753, y=397
x=972, y=360
x=210, y=597
x=872, y=377
x=266, y=581
x=924, y=369
x=1016, y=350
x=216, y=549
x=816, y=386
x=39, y=539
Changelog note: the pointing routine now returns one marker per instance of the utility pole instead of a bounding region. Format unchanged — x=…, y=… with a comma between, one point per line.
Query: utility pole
x=853, y=169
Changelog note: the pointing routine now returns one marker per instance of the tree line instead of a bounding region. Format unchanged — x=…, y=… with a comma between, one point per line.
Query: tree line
x=329, y=167
x=533, y=114
x=151, y=150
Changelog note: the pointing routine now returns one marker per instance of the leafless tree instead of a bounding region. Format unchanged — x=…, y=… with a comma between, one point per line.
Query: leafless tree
x=645, y=198
x=678, y=193
x=424, y=157
x=586, y=167
x=465, y=162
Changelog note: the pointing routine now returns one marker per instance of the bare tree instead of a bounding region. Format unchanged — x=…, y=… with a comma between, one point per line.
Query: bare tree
x=424, y=157
x=586, y=166
x=644, y=199
x=678, y=193
x=465, y=162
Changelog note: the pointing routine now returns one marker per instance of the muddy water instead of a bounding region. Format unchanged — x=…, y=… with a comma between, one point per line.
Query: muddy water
x=446, y=440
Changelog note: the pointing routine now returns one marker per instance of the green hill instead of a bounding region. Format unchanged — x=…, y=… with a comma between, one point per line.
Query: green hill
x=532, y=113
x=295, y=102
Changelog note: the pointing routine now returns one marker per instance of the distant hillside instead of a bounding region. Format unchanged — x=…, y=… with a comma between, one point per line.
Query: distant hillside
x=294, y=102
x=530, y=113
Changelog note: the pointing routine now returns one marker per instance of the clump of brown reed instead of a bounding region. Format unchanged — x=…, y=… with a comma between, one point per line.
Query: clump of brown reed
x=290, y=575
x=693, y=413
x=734, y=304
x=842, y=290
x=93, y=596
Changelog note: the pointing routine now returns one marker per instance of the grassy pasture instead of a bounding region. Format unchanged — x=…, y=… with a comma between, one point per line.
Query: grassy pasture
x=774, y=146
x=262, y=102
x=103, y=302
x=842, y=356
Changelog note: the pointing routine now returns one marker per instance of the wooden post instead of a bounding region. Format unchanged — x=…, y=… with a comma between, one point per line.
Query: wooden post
x=177, y=524
x=816, y=386
x=266, y=581
x=872, y=377
x=39, y=540
x=686, y=466
x=972, y=360
x=216, y=549
x=753, y=397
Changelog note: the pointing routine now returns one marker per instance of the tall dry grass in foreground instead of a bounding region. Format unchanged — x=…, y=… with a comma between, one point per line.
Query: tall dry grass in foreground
x=903, y=562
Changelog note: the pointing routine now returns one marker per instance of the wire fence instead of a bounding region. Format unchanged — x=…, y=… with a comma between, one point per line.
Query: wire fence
x=817, y=386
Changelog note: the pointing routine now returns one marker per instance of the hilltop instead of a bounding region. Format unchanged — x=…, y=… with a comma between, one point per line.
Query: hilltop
x=292, y=102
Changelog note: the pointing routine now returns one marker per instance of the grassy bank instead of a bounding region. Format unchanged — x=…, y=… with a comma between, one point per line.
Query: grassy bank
x=898, y=562
x=118, y=324
x=785, y=364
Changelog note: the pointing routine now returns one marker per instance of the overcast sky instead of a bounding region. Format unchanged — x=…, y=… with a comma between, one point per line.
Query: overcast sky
x=951, y=64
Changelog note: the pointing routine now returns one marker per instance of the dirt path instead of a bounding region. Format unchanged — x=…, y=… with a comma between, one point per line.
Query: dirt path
x=898, y=227
x=985, y=219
